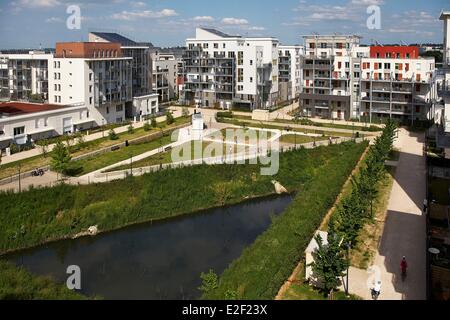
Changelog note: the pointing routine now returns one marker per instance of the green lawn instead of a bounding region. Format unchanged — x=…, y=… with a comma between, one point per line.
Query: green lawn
x=299, y=139
x=166, y=157
x=18, y=284
x=10, y=169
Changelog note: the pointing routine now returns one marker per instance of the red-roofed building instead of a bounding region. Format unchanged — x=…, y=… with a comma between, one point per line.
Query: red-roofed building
x=21, y=123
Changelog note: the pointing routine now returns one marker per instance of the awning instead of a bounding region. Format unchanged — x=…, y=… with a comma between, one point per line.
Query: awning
x=83, y=121
x=46, y=129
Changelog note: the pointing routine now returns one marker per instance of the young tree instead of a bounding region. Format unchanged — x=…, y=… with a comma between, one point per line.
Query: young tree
x=329, y=262
x=60, y=158
x=112, y=135
x=130, y=129
x=44, y=146
x=185, y=112
x=147, y=126
x=153, y=122
x=210, y=281
x=169, y=118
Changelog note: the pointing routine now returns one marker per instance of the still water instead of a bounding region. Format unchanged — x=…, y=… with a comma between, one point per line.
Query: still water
x=160, y=260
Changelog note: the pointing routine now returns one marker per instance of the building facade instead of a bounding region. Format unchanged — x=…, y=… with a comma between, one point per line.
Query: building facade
x=24, y=76
x=290, y=75
x=444, y=88
x=223, y=70
x=396, y=83
x=21, y=123
x=93, y=74
x=328, y=81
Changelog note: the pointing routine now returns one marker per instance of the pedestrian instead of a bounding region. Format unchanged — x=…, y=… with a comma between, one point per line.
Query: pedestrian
x=376, y=290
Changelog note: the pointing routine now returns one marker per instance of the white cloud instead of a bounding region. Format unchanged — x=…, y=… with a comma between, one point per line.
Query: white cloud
x=134, y=15
x=36, y=3
x=234, y=21
x=138, y=4
x=54, y=20
x=367, y=2
x=203, y=19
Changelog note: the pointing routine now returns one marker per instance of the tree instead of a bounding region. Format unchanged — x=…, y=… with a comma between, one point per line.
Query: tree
x=60, y=158
x=185, y=112
x=169, y=118
x=130, y=129
x=210, y=281
x=329, y=262
x=147, y=126
x=153, y=122
x=44, y=146
x=112, y=135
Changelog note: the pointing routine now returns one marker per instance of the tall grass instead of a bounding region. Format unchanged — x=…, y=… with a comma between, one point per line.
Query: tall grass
x=267, y=263
x=40, y=215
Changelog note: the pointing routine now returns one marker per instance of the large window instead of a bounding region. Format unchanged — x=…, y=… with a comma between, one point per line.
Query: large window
x=19, y=131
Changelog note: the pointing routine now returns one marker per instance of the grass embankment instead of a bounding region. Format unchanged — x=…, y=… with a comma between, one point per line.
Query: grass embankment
x=280, y=126
x=268, y=262
x=41, y=215
x=208, y=150
x=307, y=122
x=18, y=284
x=10, y=169
x=300, y=139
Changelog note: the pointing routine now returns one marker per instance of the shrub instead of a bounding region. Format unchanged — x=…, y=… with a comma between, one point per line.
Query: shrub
x=153, y=122
x=112, y=135
x=169, y=118
x=130, y=129
x=147, y=126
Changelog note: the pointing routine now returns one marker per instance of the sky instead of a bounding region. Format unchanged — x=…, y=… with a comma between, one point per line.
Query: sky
x=35, y=23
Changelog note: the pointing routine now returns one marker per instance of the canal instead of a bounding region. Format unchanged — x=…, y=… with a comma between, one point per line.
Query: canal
x=157, y=261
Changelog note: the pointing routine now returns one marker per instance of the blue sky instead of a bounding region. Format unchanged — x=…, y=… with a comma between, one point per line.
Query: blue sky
x=29, y=23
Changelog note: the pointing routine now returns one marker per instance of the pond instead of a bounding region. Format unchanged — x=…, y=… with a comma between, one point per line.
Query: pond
x=157, y=261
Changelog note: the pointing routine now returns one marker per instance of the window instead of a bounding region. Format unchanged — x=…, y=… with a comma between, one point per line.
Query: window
x=19, y=130
x=90, y=76
x=56, y=87
x=119, y=108
x=153, y=103
x=251, y=62
x=216, y=46
x=107, y=110
x=87, y=114
x=90, y=89
x=387, y=66
x=56, y=99
x=251, y=79
x=240, y=75
x=223, y=45
x=90, y=100
x=347, y=65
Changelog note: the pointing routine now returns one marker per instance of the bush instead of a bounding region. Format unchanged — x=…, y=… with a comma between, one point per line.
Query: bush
x=130, y=129
x=169, y=118
x=147, y=126
x=225, y=114
x=112, y=135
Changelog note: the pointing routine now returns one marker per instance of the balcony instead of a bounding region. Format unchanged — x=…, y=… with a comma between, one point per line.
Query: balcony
x=443, y=89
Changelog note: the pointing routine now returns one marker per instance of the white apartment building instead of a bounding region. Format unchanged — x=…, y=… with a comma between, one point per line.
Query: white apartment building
x=290, y=77
x=165, y=75
x=24, y=76
x=222, y=70
x=21, y=123
x=93, y=74
x=328, y=76
x=396, y=83
x=444, y=89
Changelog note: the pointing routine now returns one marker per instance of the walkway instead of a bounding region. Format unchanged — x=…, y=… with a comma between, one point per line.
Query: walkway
x=90, y=137
x=404, y=231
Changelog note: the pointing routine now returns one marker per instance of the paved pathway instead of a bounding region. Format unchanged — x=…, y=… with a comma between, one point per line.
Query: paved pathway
x=94, y=136
x=404, y=232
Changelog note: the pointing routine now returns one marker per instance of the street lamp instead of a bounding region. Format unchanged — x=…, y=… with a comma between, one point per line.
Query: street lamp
x=20, y=182
x=348, y=268
x=131, y=163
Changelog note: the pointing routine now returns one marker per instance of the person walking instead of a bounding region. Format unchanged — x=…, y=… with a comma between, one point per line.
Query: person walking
x=403, y=268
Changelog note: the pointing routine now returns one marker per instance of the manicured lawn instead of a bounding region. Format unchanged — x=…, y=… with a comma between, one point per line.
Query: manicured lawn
x=18, y=284
x=264, y=266
x=299, y=139
x=10, y=169
x=166, y=157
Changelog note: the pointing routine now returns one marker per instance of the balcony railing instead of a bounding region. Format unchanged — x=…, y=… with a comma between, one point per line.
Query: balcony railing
x=443, y=89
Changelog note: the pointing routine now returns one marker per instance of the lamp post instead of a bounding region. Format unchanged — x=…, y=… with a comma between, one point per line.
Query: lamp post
x=20, y=182
x=131, y=163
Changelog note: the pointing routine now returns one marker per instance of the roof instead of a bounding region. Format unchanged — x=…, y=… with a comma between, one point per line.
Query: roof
x=20, y=108
x=444, y=15
x=117, y=38
x=219, y=33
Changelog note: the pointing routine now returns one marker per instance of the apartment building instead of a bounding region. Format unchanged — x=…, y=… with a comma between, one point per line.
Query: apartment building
x=94, y=74
x=328, y=83
x=164, y=73
x=141, y=64
x=396, y=83
x=290, y=75
x=224, y=70
x=20, y=123
x=444, y=88
x=24, y=76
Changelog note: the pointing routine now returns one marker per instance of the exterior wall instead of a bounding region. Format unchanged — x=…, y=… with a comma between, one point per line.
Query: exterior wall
x=295, y=72
x=102, y=85
x=397, y=88
x=398, y=52
x=41, y=125
x=22, y=75
x=221, y=69
x=145, y=105
x=88, y=50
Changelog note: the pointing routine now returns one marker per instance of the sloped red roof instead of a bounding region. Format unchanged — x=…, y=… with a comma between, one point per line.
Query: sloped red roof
x=18, y=108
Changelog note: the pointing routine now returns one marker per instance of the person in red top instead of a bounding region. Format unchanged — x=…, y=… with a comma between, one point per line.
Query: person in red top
x=403, y=266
